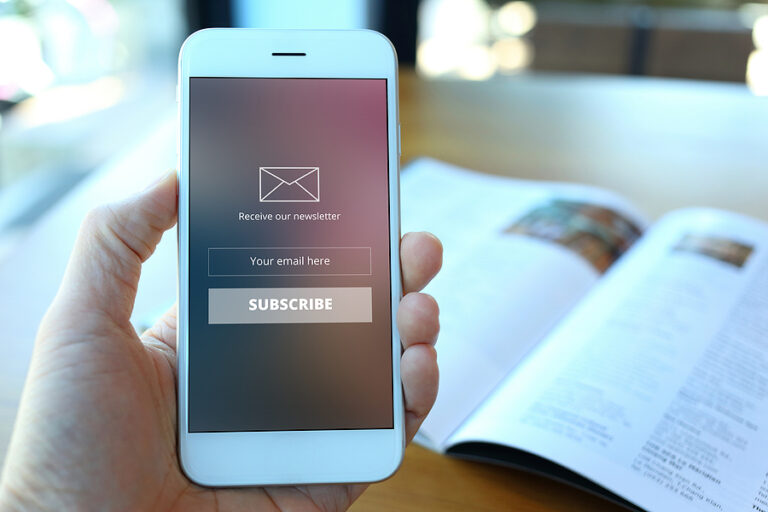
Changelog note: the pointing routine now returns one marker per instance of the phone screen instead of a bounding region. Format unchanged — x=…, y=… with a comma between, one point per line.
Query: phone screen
x=290, y=323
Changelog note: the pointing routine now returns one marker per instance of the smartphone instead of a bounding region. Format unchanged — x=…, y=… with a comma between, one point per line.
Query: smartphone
x=289, y=275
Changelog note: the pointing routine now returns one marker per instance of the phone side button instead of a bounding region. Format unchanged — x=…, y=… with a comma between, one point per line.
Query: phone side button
x=399, y=142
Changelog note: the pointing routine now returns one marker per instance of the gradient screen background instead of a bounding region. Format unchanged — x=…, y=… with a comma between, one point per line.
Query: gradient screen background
x=299, y=376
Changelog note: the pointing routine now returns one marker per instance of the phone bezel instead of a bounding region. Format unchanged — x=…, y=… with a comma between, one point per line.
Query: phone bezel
x=288, y=457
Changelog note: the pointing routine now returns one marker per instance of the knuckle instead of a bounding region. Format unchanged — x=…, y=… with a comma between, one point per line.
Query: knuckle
x=94, y=219
x=107, y=223
x=96, y=225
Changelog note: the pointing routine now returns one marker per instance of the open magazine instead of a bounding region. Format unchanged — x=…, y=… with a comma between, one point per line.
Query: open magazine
x=580, y=342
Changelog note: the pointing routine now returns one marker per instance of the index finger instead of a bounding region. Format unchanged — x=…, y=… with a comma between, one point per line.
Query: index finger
x=421, y=256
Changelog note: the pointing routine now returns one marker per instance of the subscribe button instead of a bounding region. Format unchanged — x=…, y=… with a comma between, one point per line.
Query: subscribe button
x=289, y=305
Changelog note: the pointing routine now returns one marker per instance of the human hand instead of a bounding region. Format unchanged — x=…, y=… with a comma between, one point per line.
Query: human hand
x=96, y=428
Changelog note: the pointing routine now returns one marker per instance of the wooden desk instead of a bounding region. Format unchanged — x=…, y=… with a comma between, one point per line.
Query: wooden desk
x=429, y=481
x=662, y=143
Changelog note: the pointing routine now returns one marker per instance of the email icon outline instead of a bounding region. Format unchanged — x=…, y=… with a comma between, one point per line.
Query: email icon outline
x=289, y=184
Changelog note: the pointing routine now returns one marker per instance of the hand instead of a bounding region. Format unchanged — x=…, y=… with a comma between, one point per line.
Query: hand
x=96, y=428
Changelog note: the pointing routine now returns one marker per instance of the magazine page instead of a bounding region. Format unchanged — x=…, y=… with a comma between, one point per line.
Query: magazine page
x=518, y=256
x=656, y=386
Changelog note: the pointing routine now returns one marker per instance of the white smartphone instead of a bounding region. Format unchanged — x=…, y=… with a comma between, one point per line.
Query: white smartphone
x=289, y=268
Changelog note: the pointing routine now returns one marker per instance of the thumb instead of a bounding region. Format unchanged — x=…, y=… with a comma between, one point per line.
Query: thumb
x=114, y=240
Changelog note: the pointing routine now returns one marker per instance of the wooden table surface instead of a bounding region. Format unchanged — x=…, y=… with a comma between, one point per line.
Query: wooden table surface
x=662, y=143
x=429, y=481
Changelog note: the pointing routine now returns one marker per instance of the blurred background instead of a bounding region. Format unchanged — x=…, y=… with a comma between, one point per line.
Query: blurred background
x=662, y=101
x=81, y=79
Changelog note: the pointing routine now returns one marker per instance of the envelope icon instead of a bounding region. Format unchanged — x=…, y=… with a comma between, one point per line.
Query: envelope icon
x=289, y=184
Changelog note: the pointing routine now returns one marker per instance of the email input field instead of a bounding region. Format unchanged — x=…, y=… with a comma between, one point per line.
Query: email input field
x=289, y=261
